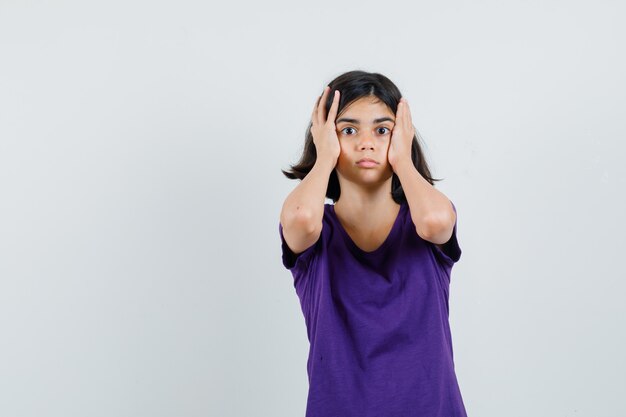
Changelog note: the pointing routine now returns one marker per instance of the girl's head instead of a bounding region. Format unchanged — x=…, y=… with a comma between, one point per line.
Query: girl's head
x=363, y=96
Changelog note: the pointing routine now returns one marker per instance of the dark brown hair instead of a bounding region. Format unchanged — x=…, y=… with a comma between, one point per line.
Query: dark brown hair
x=354, y=85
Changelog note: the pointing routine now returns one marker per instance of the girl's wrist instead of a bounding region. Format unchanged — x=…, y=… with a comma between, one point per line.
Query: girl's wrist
x=326, y=161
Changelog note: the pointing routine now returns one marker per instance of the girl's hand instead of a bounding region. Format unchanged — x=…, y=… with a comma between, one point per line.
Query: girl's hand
x=401, y=136
x=323, y=129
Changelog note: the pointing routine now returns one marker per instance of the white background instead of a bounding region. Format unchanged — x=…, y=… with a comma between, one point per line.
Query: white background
x=141, y=144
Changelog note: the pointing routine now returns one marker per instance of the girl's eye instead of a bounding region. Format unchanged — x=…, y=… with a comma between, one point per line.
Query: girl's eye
x=381, y=130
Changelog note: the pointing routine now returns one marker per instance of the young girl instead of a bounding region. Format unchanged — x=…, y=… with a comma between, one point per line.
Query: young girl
x=372, y=271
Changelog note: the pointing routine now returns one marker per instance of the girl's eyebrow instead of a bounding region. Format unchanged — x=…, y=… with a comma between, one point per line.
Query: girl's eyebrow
x=356, y=122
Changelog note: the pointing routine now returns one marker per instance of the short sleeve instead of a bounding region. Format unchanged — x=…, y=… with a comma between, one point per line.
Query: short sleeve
x=291, y=259
x=450, y=252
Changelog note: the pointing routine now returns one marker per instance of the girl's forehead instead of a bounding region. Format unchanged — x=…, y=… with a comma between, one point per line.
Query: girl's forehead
x=367, y=104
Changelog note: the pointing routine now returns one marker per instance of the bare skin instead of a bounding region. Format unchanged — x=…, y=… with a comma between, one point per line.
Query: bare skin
x=368, y=128
x=365, y=208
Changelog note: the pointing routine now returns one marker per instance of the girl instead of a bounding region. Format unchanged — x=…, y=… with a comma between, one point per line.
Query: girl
x=372, y=270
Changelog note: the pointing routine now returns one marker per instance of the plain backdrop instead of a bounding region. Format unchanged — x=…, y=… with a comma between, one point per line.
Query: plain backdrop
x=141, y=144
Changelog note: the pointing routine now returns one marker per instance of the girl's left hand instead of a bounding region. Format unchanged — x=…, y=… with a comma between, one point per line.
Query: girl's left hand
x=401, y=136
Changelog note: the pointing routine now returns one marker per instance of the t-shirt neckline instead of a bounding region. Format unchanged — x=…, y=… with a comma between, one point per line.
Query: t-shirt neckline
x=386, y=242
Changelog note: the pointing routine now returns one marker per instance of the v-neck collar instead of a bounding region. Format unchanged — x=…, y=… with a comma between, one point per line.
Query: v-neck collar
x=379, y=249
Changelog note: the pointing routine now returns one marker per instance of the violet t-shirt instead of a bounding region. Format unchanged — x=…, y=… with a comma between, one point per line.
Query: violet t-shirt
x=377, y=323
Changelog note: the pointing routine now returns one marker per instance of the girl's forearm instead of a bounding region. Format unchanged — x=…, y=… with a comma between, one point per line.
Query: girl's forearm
x=429, y=207
x=305, y=203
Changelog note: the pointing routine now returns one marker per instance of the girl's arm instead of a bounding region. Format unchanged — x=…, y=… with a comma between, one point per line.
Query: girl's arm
x=431, y=210
x=303, y=209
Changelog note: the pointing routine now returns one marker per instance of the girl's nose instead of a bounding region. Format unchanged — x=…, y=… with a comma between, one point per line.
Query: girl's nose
x=367, y=141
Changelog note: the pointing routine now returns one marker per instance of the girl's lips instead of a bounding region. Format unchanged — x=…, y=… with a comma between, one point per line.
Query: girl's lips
x=367, y=164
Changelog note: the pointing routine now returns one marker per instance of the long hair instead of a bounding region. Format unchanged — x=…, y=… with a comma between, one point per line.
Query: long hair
x=354, y=85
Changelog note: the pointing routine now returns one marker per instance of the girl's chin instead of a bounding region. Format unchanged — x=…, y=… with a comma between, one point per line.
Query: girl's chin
x=368, y=174
x=371, y=177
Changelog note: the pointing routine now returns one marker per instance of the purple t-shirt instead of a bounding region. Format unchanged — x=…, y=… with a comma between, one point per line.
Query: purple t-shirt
x=377, y=323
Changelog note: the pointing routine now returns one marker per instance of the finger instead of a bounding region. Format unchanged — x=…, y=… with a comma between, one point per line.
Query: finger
x=403, y=113
x=407, y=110
x=320, y=116
x=315, y=108
x=332, y=113
x=399, y=113
x=314, y=113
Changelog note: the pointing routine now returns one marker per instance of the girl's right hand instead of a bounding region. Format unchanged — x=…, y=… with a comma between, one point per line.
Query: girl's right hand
x=323, y=129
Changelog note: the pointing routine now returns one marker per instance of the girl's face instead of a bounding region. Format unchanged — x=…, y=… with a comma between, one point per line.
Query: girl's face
x=364, y=131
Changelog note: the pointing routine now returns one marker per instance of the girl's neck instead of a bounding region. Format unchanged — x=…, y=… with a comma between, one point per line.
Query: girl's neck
x=366, y=212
